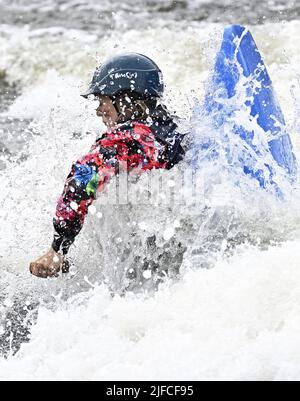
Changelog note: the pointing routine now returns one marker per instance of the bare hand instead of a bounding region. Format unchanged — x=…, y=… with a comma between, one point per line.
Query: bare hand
x=48, y=265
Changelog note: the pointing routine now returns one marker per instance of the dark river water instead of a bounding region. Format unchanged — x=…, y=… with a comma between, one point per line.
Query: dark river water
x=91, y=14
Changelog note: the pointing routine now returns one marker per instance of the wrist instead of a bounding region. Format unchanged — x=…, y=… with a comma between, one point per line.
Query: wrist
x=56, y=243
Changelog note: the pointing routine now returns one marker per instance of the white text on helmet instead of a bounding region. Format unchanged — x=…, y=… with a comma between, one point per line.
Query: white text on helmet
x=128, y=75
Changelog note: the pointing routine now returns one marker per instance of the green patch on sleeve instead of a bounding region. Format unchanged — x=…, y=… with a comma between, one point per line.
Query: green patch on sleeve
x=92, y=186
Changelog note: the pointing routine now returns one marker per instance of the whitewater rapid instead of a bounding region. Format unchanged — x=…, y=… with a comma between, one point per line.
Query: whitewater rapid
x=239, y=320
x=236, y=320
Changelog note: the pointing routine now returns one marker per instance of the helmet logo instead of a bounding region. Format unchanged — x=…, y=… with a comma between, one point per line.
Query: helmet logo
x=128, y=75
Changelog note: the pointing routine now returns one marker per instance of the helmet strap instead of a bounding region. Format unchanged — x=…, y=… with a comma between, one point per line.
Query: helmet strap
x=129, y=108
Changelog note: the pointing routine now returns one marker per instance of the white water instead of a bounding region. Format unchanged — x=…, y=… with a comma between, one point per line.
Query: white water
x=238, y=320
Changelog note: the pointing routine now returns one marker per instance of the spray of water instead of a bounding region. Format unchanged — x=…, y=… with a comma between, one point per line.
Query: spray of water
x=195, y=314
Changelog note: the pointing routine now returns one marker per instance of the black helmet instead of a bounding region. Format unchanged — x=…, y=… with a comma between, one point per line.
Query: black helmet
x=129, y=72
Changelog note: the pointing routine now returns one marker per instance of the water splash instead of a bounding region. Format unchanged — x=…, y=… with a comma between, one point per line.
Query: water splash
x=197, y=320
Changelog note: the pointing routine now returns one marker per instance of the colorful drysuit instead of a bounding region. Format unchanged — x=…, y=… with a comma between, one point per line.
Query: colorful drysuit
x=132, y=146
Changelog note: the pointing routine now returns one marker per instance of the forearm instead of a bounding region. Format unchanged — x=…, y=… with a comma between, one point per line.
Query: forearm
x=71, y=210
x=65, y=234
x=79, y=193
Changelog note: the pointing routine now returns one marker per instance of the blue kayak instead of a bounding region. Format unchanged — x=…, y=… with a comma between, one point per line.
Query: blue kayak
x=239, y=67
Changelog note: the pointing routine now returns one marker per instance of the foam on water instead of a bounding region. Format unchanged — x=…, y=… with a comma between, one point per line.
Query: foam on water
x=237, y=320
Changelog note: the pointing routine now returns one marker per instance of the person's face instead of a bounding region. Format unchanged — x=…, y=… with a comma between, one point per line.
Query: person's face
x=106, y=110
